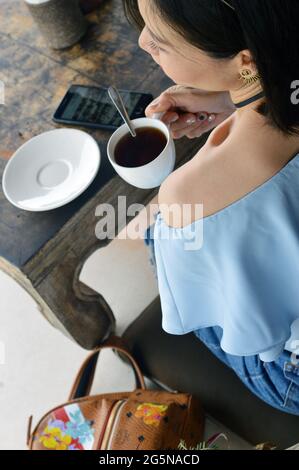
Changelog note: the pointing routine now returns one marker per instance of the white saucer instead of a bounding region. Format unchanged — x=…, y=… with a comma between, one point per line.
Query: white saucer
x=51, y=170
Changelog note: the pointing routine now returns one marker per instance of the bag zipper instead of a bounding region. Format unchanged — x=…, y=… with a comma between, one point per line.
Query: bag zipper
x=111, y=424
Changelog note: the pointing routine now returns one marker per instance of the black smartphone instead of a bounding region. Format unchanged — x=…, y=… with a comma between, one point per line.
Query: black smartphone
x=91, y=106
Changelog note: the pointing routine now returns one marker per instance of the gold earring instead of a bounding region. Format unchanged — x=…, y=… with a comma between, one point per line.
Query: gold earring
x=249, y=77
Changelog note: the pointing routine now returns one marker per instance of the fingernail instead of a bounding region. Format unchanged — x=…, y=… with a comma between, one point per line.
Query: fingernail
x=174, y=119
x=191, y=121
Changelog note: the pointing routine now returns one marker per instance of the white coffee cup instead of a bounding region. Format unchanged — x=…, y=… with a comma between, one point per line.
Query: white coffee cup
x=152, y=174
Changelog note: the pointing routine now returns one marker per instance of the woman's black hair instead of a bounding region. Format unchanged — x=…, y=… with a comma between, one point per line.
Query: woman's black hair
x=268, y=28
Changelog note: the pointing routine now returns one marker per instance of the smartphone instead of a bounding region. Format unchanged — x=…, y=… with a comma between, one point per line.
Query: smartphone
x=91, y=106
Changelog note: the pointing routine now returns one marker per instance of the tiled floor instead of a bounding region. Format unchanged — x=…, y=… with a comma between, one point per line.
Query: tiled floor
x=40, y=363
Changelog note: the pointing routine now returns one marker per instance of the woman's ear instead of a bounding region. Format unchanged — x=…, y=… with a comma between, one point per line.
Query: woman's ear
x=246, y=61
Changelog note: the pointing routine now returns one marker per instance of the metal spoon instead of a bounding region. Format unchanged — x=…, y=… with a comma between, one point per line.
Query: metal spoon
x=119, y=104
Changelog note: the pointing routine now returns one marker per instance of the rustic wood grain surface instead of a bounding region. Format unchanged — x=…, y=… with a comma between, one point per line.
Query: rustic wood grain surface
x=44, y=252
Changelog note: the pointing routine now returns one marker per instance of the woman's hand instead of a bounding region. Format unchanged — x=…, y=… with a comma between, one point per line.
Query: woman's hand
x=191, y=112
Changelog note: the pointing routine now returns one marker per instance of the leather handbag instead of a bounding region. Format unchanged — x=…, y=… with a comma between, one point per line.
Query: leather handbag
x=138, y=420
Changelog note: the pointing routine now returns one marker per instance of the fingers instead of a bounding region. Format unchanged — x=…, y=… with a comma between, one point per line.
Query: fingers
x=187, y=132
x=181, y=124
x=183, y=121
x=161, y=104
x=198, y=131
x=170, y=117
x=186, y=120
x=193, y=129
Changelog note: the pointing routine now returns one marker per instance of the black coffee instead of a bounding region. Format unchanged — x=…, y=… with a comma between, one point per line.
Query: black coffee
x=138, y=151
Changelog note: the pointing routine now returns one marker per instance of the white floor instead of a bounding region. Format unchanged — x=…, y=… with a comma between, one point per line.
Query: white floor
x=38, y=364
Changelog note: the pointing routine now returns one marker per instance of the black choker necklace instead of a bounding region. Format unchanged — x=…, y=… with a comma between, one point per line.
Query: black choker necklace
x=250, y=100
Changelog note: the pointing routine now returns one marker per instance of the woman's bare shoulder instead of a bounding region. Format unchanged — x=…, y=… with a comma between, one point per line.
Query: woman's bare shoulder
x=199, y=183
x=235, y=160
x=184, y=193
x=209, y=183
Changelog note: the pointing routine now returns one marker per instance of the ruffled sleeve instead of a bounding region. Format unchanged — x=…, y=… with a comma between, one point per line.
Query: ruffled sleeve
x=242, y=273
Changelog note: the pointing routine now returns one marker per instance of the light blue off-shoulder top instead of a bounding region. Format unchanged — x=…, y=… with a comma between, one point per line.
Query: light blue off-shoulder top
x=237, y=269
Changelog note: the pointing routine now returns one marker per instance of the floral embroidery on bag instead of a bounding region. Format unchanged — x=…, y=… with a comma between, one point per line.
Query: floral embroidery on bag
x=68, y=431
x=54, y=438
x=152, y=413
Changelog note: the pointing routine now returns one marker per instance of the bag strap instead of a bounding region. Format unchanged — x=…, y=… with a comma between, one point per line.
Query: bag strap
x=84, y=379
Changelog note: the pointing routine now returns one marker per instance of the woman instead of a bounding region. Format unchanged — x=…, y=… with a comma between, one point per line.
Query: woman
x=236, y=68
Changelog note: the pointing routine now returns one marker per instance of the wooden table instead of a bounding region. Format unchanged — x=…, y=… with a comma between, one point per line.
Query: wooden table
x=44, y=252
